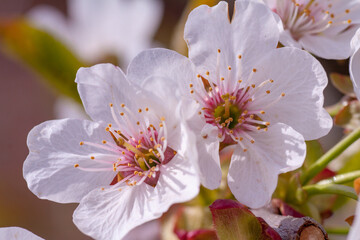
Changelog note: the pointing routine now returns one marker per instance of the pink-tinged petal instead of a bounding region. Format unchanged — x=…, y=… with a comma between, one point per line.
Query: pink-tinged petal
x=54, y=150
x=207, y=30
x=101, y=85
x=111, y=214
x=355, y=227
x=208, y=157
x=13, y=233
x=303, y=92
x=287, y=40
x=253, y=174
x=329, y=47
x=248, y=43
x=172, y=68
x=355, y=71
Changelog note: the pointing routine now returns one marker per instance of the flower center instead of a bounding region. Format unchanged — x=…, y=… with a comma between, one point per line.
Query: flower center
x=137, y=151
x=227, y=114
x=310, y=17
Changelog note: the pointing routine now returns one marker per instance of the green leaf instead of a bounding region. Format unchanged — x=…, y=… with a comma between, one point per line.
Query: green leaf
x=42, y=53
x=342, y=83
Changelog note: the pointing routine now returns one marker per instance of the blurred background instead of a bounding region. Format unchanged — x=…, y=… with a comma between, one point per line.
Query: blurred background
x=37, y=72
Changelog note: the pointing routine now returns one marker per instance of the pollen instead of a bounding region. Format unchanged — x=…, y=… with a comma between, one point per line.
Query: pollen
x=137, y=123
x=103, y=141
x=81, y=143
x=283, y=94
x=229, y=67
x=262, y=112
x=191, y=85
x=349, y=21
x=122, y=105
x=254, y=70
x=268, y=91
x=207, y=73
x=239, y=56
x=219, y=51
x=92, y=157
x=222, y=79
x=146, y=109
x=347, y=11
x=76, y=165
x=252, y=141
x=139, y=110
x=111, y=105
x=122, y=114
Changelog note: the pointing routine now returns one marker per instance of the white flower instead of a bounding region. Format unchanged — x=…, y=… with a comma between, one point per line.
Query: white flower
x=12, y=233
x=133, y=162
x=322, y=27
x=96, y=28
x=260, y=100
x=355, y=64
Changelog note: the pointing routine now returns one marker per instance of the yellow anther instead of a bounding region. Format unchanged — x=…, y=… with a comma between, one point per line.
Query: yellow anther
x=239, y=56
x=253, y=85
x=138, y=123
x=192, y=91
x=330, y=22
x=262, y=112
x=122, y=114
x=103, y=141
x=229, y=67
x=267, y=123
x=268, y=91
x=81, y=143
x=271, y=80
x=254, y=70
x=222, y=79
x=347, y=11
x=349, y=21
x=245, y=150
x=122, y=105
x=191, y=85
x=283, y=94
x=207, y=73
x=102, y=189
x=162, y=118
x=76, y=165
x=92, y=157
x=162, y=138
x=107, y=129
x=252, y=141
x=111, y=105
x=146, y=109
x=219, y=51
x=239, y=81
x=139, y=110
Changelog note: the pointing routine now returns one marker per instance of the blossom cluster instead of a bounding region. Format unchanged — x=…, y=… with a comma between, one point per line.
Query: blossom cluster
x=157, y=131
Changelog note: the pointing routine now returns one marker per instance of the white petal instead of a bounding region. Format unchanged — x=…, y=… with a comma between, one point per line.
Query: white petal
x=111, y=214
x=287, y=40
x=302, y=78
x=253, y=174
x=174, y=69
x=355, y=72
x=207, y=145
x=355, y=227
x=101, y=85
x=54, y=149
x=329, y=47
x=209, y=29
x=248, y=42
x=13, y=233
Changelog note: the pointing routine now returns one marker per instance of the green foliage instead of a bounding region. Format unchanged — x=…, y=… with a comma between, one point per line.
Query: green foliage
x=42, y=53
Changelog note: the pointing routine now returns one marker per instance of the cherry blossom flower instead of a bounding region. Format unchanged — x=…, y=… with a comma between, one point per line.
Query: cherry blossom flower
x=12, y=233
x=355, y=63
x=127, y=166
x=322, y=27
x=250, y=96
x=96, y=28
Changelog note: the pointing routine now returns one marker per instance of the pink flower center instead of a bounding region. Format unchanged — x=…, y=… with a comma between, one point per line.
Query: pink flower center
x=137, y=150
x=302, y=17
x=230, y=105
